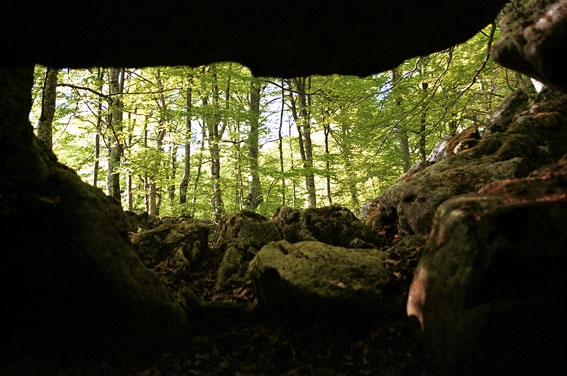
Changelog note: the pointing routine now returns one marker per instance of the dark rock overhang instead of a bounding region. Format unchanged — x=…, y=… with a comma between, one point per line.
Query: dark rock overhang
x=289, y=38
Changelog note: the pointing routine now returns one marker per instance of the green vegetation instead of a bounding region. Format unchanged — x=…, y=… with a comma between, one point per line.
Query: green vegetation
x=187, y=141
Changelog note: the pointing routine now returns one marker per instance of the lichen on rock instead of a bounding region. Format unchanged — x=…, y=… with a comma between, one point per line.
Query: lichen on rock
x=335, y=225
x=315, y=277
x=492, y=272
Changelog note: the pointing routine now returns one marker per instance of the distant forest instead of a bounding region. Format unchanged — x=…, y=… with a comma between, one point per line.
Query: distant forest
x=213, y=139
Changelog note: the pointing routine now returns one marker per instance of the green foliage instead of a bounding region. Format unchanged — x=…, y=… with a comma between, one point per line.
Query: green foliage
x=424, y=98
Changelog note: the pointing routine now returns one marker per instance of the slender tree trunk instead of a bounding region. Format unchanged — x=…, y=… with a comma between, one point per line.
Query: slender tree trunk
x=404, y=149
x=214, y=147
x=453, y=124
x=115, y=151
x=280, y=144
x=173, y=160
x=155, y=197
x=301, y=116
x=351, y=177
x=254, y=186
x=238, y=186
x=326, y=131
x=403, y=134
x=198, y=174
x=187, y=159
x=98, y=129
x=293, y=187
x=306, y=111
x=423, y=128
x=97, y=159
x=129, y=193
x=48, y=102
x=146, y=175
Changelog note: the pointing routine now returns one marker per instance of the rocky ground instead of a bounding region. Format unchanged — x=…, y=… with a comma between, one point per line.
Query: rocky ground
x=240, y=334
x=472, y=244
x=236, y=333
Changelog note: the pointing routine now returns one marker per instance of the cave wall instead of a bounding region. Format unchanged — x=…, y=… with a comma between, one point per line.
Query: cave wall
x=272, y=38
x=71, y=283
x=60, y=274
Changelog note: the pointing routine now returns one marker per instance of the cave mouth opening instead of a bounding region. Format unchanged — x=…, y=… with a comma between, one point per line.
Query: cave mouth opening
x=81, y=281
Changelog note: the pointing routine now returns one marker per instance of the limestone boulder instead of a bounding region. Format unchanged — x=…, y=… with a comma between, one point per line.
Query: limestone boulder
x=187, y=239
x=489, y=290
x=318, y=278
x=335, y=225
x=534, y=35
x=533, y=137
x=239, y=237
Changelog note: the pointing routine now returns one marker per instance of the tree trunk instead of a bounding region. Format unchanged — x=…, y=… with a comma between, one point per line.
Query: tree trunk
x=129, y=190
x=292, y=165
x=238, y=186
x=301, y=115
x=115, y=125
x=48, y=102
x=97, y=158
x=129, y=193
x=423, y=128
x=187, y=159
x=173, y=159
x=326, y=131
x=98, y=129
x=280, y=144
x=154, y=195
x=199, y=167
x=347, y=164
x=214, y=149
x=254, y=187
x=404, y=150
x=403, y=134
x=146, y=175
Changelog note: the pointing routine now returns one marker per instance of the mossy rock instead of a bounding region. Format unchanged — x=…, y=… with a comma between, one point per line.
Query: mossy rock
x=490, y=283
x=156, y=245
x=318, y=278
x=335, y=225
x=240, y=236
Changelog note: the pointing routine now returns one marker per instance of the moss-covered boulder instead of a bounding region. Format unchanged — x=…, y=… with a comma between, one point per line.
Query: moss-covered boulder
x=239, y=237
x=489, y=290
x=533, y=137
x=335, y=225
x=534, y=35
x=319, y=278
x=72, y=285
x=163, y=242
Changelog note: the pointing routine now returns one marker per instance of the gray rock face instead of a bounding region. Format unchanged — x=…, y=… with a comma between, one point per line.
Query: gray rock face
x=157, y=245
x=240, y=236
x=530, y=139
x=533, y=41
x=313, y=276
x=489, y=289
x=333, y=225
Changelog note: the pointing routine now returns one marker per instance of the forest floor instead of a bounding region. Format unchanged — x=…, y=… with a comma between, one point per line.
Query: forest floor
x=268, y=344
x=264, y=343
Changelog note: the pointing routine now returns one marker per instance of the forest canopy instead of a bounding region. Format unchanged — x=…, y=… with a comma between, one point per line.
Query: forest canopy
x=213, y=139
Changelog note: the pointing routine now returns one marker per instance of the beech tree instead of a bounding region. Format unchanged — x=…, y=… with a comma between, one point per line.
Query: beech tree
x=254, y=186
x=48, y=102
x=206, y=140
x=116, y=85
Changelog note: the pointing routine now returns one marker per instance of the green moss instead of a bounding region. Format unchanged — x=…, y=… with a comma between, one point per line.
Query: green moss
x=314, y=271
